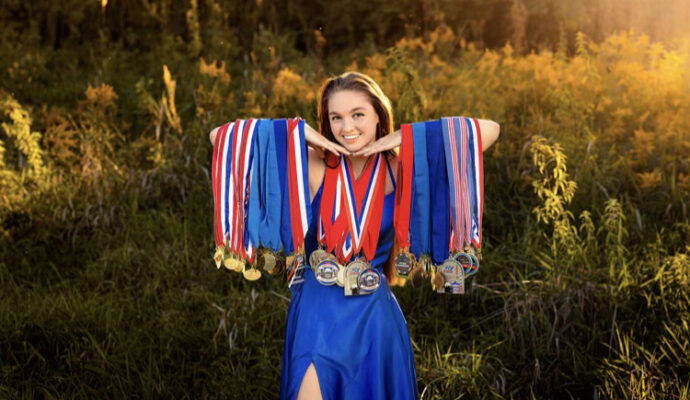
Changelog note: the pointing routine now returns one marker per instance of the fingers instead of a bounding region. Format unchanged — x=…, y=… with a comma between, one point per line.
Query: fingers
x=337, y=149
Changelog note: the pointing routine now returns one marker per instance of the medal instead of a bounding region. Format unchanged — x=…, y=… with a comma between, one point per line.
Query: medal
x=453, y=279
x=269, y=261
x=416, y=275
x=326, y=272
x=437, y=280
x=369, y=280
x=317, y=256
x=465, y=261
x=403, y=263
x=218, y=256
x=296, y=270
x=352, y=272
x=340, y=278
x=251, y=274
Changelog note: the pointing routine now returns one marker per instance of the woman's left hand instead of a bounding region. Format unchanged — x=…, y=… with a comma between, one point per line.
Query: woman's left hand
x=384, y=143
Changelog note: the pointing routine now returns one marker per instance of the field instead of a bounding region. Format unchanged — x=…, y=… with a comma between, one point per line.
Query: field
x=108, y=285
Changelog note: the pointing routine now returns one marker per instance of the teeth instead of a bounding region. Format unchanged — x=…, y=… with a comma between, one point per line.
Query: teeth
x=351, y=137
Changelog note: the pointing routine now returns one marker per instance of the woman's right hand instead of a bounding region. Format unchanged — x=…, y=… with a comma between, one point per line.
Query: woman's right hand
x=321, y=144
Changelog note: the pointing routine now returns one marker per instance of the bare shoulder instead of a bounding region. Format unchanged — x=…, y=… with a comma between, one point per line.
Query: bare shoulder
x=317, y=171
x=212, y=135
x=490, y=131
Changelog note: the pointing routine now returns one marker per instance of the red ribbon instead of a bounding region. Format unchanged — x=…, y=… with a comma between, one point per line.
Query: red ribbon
x=403, y=195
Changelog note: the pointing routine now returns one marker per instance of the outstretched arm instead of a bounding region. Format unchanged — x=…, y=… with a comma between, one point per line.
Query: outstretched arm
x=489, y=130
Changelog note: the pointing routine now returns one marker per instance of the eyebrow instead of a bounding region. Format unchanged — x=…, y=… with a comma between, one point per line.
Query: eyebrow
x=353, y=110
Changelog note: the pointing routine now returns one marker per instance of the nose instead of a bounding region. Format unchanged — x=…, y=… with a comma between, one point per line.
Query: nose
x=348, y=125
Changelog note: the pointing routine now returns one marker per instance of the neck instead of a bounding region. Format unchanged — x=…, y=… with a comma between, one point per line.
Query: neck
x=358, y=163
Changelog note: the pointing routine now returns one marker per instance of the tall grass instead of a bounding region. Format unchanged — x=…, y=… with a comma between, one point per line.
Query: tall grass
x=109, y=289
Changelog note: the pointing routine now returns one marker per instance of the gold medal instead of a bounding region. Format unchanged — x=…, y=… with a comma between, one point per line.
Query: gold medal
x=268, y=260
x=218, y=256
x=317, y=256
x=251, y=274
x=437, y=281
x=340, y=278
x=416, y=276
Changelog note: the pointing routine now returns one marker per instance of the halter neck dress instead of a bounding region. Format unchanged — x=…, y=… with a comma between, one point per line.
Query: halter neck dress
x=360, y=345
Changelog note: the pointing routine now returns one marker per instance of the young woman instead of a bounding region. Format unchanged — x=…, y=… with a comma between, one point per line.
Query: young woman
x=354, y=347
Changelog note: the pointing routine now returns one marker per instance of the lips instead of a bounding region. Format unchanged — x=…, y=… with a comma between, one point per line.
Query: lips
x=351, y=138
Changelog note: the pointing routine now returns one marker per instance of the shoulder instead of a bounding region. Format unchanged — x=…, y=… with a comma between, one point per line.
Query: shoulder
x=212, y=135
x=490, y=131
x=317, y=170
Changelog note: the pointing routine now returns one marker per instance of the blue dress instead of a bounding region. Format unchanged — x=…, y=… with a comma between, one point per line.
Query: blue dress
x=360, y=345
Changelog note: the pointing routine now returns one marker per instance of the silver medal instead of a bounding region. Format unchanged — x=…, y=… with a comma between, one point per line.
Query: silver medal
x=327, y=272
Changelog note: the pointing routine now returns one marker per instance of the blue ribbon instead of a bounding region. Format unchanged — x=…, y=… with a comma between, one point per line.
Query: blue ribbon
x=280, y=135
x=438, y=179
x=256, y=212
x=419, y=219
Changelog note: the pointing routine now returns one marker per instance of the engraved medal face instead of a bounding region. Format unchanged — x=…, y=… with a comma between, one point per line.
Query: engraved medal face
x=465, y=261
x=403, y=264
x=352, y=272
x=327, y=272
x=453, y=273
x=369, y=280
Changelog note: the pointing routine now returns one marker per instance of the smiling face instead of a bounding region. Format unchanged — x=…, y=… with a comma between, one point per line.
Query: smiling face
x=352, y=119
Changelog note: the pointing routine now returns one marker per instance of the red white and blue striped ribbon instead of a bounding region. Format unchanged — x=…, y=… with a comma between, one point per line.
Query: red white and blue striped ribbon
x=299, y=194
x=476, y=180
x=220, y=148
x=248, y=154
x=358, y=218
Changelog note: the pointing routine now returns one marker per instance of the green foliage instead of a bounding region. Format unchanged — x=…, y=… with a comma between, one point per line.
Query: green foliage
x=108, y=285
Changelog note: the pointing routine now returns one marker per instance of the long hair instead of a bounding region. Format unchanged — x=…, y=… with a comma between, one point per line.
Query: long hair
x=362, y=83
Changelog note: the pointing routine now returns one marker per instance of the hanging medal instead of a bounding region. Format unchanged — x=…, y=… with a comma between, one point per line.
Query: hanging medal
x=405, y=260
x=300, y=207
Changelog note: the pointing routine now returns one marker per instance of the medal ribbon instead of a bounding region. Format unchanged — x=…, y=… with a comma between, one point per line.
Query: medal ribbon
x=217, y=178
x=329, y=211
x=370, y=190
x=464, y=199
x=298, y=179
x=438, y=179
x=240, y=157
x=403, y=196
x=419, y=221
x=245, y=240
x=476, y=180
x=452, y=142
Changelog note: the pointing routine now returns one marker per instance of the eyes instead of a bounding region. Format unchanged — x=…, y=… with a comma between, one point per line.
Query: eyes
x=355, y=115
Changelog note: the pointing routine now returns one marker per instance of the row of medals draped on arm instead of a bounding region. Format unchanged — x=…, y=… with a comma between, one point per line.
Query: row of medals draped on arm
x=358, y=277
